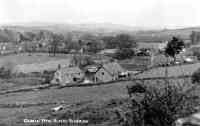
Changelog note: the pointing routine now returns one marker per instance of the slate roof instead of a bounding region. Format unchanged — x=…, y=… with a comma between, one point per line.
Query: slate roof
x=71, y=70
x=113, y=68
x=92, y=68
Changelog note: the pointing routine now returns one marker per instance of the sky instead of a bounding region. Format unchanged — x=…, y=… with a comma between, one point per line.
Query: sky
x=140, y=13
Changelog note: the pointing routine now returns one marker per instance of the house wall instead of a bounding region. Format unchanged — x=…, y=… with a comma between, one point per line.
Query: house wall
x=57, y=77
x=65, y=78
x=69, y=78
x=103, y=77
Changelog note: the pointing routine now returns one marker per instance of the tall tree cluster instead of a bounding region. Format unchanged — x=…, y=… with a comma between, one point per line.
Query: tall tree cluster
x=55, y=41
x=119, y=41
x=195, y=37
x=174, y=47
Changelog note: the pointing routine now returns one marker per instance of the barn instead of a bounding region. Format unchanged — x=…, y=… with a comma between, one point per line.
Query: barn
x=70, y=74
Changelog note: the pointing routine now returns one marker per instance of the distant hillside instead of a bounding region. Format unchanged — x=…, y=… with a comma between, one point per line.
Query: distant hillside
x=61, y=28
x=140, y=33
x=159, y=35
x=8, y=35
x=15, y=34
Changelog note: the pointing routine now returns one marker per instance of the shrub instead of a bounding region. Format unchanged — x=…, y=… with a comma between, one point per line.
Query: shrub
x=196, y=76
x=6, y=71
x=124, y=54
x=158, y=107
x=197, y=54
x=81, y=61
x=47, y=76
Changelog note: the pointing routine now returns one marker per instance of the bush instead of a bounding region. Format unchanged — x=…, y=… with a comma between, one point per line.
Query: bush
x=47, y=76
x=81, y=61
x=158, y=107
x=196, y=76
x=6, y=71
x=124, y=54
x=197, y=54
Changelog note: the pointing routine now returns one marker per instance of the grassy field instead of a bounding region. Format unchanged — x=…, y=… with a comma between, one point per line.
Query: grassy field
x=172, y=71
x=38, y=62
x=35, y=62
x=136, y=63
x=66, y=95
x=25, y=58
x=42, y=101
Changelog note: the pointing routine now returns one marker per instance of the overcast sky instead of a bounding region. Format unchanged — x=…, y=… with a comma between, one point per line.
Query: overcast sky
x=145, y=13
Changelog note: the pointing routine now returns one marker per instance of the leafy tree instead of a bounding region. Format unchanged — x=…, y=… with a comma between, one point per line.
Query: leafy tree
x=196, y=53
x=195, y=37
x=73, y=45
x=174, y=47
x=30, y=36
x=7, y=70
x=124, y=53
x=124, y=41
x=40, y=35
x=81, y=61
x=196, y=76
x=8, y=35
x=157, y=106
x=120, y=41
x=88, y=36
x=95, y=46
x=109, y=42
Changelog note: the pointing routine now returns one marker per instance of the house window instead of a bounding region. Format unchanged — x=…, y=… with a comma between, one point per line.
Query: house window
x=102, y=73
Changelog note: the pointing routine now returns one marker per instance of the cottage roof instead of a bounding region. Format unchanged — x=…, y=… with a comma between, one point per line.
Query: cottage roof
x=71, y=70
x=93, y=68
x=113, y=68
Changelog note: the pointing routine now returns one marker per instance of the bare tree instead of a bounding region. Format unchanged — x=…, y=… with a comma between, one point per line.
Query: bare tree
x=55, y=41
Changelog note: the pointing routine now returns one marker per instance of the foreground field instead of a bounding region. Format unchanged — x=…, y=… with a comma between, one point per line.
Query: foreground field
x=15, y=107
x=11, y=115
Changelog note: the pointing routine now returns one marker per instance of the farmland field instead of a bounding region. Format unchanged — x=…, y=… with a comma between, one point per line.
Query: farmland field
x=40, y=102
x=25, y=58
x=35, y=62
x=136, y=63
x=178, y=70
x=66, y=95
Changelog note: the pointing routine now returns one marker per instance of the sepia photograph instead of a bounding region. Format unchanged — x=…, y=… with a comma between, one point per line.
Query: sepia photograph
x=99, y=63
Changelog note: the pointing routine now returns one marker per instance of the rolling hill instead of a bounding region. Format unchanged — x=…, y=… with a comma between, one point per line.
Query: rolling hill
x=140, y=33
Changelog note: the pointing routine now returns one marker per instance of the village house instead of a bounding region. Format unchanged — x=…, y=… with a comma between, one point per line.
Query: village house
x=154, y=47
x=7, y=48
x=69, y=74
x=105, y=73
